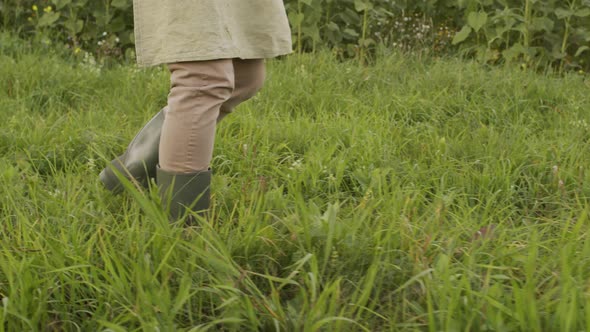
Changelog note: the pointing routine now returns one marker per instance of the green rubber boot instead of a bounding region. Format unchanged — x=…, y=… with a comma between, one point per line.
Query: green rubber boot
x=182, y=192
x=139, y=161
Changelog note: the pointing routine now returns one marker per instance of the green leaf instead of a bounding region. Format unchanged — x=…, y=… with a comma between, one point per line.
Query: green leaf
x=477, y=20
x=563, y=13
x=581, y=50
x=74, y=26
x=362, y=5
x=557, y=54
x=59, y=4
x=542, y=23
x=311, y=32
x=514, y=52
x=462, y=35
x=350, y=17
x=117, y=25
x=367, y=42
x=521, y=27
x=296, y=18
x=583, y=12
x=80, y=3
x=351, y=32
x=48, y=19
x=120, y=4
x=333, y=26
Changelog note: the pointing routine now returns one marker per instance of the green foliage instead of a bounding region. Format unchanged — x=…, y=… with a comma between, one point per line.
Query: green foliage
x=104, y=28
x=353, y=27
x=534, y=33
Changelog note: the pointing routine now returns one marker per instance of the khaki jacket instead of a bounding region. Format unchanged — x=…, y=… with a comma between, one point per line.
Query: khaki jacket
x=168, y=31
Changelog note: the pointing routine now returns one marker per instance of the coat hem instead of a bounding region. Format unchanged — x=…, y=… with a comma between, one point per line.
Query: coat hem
x=198, y=56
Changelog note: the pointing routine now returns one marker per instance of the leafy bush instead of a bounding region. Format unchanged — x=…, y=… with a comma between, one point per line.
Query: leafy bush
x=354, y=27
x=532, y=32
x=104, y=28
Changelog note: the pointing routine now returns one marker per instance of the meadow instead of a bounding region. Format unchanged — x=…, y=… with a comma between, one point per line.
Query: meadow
x=412, y=194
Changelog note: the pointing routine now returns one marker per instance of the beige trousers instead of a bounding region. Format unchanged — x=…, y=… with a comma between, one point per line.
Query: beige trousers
x=201, y=94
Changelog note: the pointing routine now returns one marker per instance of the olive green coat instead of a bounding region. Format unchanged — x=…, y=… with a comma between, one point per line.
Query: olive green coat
x=168, y=31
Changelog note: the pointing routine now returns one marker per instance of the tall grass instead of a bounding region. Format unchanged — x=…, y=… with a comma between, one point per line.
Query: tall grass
x=415, y=194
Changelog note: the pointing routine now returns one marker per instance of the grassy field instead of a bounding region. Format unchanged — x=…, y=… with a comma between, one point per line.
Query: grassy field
x=417, y=194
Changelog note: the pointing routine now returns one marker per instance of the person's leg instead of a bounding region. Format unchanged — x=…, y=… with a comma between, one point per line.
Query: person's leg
x=138, y=162
x=198, y=89
x=141, y=157
x=249, y=78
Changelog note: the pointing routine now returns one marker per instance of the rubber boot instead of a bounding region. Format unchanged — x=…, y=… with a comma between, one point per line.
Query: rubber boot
x=139, y=160
x=179, y=192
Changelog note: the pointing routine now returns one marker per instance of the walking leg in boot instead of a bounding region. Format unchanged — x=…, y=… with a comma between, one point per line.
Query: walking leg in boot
x=141, y=157
x=202, y=93
x=198, y=89
x=139, y=161
x=178, y=192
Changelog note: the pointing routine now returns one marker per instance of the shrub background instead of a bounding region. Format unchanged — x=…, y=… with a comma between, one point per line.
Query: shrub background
x=534, y=33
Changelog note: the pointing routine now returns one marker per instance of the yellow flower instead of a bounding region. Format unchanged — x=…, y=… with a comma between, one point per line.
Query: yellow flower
x=47, y=9
x=77, y=50
x=35, y=8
